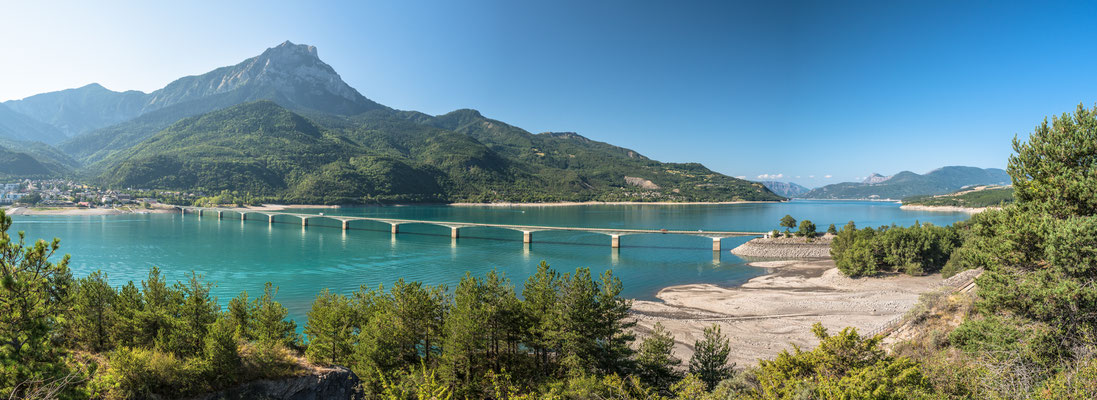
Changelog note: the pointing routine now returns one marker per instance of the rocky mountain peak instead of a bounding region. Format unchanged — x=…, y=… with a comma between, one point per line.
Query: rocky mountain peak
x=875, y=178
x=289, y=48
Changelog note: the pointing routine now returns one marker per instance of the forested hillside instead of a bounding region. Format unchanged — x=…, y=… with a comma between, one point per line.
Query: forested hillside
x=983, y=197
x=272, y=153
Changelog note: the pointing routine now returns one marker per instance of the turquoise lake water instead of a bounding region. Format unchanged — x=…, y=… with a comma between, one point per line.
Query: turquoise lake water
x=239, y=255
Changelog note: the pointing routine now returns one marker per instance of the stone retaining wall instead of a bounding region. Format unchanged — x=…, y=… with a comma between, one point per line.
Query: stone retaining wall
x=784, y=248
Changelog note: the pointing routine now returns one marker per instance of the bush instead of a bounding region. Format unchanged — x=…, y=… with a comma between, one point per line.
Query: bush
x=845, y=365
x=265, y=360
x=917, y=250
x=807, y=229
x=143, y=373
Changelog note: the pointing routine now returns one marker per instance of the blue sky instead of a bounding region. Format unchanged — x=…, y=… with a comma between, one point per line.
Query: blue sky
x=803, y=90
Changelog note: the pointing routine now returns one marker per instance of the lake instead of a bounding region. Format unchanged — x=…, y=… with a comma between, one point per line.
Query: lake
x=238, y=255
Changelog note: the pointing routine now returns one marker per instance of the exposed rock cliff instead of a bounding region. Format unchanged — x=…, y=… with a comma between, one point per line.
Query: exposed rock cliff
x=335, y=383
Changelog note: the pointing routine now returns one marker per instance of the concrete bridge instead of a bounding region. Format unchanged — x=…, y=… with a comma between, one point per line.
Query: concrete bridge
x=455, y=227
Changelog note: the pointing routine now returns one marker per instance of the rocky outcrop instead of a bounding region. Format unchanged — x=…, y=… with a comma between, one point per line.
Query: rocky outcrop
x=784, y=248
x=875, y=178
x=641, y=182
x=335, y=383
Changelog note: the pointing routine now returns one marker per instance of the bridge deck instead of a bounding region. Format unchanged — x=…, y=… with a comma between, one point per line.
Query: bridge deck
x=527, y=229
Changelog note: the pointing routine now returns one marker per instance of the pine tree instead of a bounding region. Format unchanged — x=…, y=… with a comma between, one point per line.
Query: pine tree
x=159, y=314
x=330, y=329
x=239, y=315
x=32, y=300
x=128, y=307
x=614, y=327
x=541, y=307
x=221, y=351
x=788, y=223
x=196, y=312
x=579, y=318
x=93, y=316
x=710, y=357
x=270, y=319
x=656, y=363
x=464, y=345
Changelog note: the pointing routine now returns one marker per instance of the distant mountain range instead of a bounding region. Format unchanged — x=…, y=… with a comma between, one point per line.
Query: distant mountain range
x=906, y=184
x=786, y=189
x=285, y=127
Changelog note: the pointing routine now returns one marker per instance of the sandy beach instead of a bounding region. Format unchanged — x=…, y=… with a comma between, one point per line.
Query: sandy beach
x=770, y=312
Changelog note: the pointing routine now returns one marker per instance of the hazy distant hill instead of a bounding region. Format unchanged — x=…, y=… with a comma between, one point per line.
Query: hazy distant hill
x=786, y=189
x=906, y=184
x=33, y=159
x=16, y=126
x=75, y=111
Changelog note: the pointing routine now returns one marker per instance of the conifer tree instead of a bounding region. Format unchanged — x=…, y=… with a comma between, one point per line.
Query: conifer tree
x=710, y=357
x=221, y=351
x=330, y=329
x=540, y=306
x=655, y=361
x=197, y=311
x=788, y=223
x=33, y=291
x=93, y=317
x=239, y=316
x=463, y=349
x=270, y=319
x=128, y=307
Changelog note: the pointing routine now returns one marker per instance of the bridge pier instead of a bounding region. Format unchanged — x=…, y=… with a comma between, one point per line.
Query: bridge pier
x=243, y=217
x=270, y=219
x=453, y=232
x=220, y=215
x=527, y=237
x=716, y=244
x=395, y=228
x=346, y=225
x=304, y=222
x=199, y=213
x=615, y=241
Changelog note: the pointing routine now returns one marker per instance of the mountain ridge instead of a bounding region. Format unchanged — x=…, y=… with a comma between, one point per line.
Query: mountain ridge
x=907, y=184
x=193, y=132
x=339, y=161
x=787, y=189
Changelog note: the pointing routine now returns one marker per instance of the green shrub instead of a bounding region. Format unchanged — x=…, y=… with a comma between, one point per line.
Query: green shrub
x=1078, y=382
x=807, y=229
x=144, y=373
x=915, y=250
x=845, y=365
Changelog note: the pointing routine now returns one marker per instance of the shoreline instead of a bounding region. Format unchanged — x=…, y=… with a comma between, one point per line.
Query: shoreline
x=75, y=211
x=280, y=207
x=969, y=210
x=772, y=312
x=609, y=203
